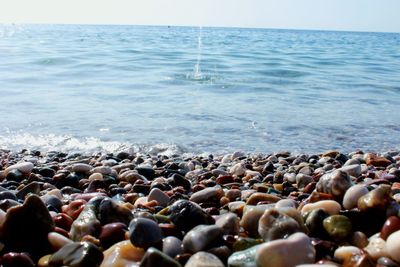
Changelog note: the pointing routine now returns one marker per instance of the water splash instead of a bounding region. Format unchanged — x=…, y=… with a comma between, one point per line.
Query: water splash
x=70, y=144
x=197, y=75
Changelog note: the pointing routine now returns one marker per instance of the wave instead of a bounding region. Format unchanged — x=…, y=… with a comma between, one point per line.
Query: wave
x=85, y=145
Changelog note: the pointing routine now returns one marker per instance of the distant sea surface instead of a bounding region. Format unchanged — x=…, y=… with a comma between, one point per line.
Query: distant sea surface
x=193, y=89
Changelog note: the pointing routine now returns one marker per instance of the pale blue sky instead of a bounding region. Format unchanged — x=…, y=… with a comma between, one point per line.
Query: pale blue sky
x=360, y=15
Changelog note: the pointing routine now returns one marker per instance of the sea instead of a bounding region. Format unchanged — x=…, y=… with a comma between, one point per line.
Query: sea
x=173, y=90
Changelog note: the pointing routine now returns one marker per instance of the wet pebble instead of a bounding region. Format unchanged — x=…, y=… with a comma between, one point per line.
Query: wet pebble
x=145, y=233
x=275, y=253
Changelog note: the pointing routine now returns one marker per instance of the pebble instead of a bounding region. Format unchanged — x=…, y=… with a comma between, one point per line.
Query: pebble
x=200, y=237
x=172, y=246
x=186, y=215
x=335, y=183
x=122, y=254
x=204, y=259
x=238, y=169
x=112, y=233
x=352, y=170
x=159, y=196
x=81, y=167
x=154, y=257
x=86, y=224
x=229, y=223
x=330, y=206
x=352, y=195
x=23, y=167
x=75, y=254
x=276, y=253
x=255, y=198
x=209, y=194
x=273, y=225
x=337, y=226
x=376, y=247
x=145, y=233
x=26, y=227
x=378, y=198
x=251, y=217
x=393, y=246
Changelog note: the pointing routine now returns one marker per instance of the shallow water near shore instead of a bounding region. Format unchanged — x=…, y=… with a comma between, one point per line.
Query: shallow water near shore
x=188, y=89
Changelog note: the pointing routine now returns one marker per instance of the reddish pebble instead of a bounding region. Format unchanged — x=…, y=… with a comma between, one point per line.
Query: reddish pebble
x=63, y=221
x=112, y=233
x=392, y=224
x=74, y=208
x=224, y=179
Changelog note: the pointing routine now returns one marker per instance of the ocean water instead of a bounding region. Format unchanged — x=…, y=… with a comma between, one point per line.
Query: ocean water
x=196, y=89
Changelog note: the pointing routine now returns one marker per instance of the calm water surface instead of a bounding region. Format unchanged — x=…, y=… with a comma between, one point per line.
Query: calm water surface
x=183, y=89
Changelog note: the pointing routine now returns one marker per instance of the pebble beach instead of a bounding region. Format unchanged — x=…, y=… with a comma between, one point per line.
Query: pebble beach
x=238, y=209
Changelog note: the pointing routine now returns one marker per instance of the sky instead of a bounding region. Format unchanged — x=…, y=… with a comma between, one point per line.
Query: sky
x=353, y=15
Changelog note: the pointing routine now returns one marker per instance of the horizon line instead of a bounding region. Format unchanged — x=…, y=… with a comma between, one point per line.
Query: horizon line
x=197, y=26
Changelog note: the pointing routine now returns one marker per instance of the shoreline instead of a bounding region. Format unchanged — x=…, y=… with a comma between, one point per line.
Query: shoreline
x=229, y=210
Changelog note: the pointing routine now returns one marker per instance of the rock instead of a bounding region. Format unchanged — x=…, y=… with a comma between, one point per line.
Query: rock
x=81, y=167
x=352, y=195
x=352, y=170
x=200, y=237
x=244, y=258
x=186, y=215
x=209, y=194
x=392, y=224
x=386, y=262
x=329, y=206
x=96, y=176
x=286, y=203
x=255, y=198
x=276, y=253
x=250, y=218
x=238, y=169
x=13, y=259
x=8, y=195
x=147, y=172
x=26, y=227
x=314, y=223
x=275, y=225
x=23, y=167
x=204, y=259
x=378, y=199
x=57, y=240
x=15, y=175
x=172, y=246
x=109, y=211
x=393, y=246
x=229, y=223
x=344, y=253
x=159, y=196
x=243, y=243
x=122, y=254
x=376, y=161
x=153, y=257
x=86, y=224
x=359, y=239
x=83, y=254
x=337, y=226
x=112, y=233
x=335, y=183
x=145, y=233
x=376, y=247
x=32, y=188
x=303, y=180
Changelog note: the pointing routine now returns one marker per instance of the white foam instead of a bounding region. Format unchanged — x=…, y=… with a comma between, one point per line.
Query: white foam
x=66, y=143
